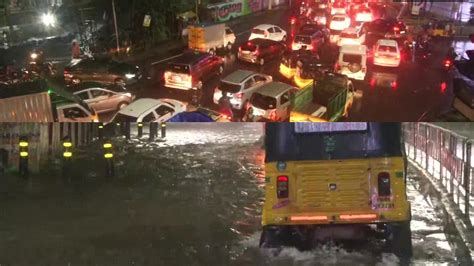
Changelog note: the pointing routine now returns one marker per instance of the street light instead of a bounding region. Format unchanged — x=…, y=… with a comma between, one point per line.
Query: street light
x=48, y=19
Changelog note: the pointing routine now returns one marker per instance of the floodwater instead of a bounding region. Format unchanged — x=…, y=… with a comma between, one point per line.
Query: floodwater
x=192, y=199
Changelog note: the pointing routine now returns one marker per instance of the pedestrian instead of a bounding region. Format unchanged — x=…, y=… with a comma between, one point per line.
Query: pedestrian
x=76, y=50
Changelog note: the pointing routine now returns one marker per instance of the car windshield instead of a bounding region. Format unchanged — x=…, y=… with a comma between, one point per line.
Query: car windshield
x=349, y=35
x=229, y=87
x=121, y=118
x=178, y=68
x=303, y=39
x=387, y=49
x=352, y=58
x=263, y=102
x=331, y=141
x=258, y=31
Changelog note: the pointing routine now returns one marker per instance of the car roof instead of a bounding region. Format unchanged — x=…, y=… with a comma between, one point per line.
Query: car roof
x=189, y=57
x=238, y=76
x=354, y=49
x=387, y=42
x=140, y=106
x=258, y=41
x=274, y=88
x=264, y=26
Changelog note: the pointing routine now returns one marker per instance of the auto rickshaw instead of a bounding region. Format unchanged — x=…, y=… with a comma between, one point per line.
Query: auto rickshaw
x=336, y=182
x=310, y=69
x=443, y=29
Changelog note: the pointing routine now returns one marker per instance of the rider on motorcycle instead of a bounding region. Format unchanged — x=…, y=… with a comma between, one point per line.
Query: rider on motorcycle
x=225, y=106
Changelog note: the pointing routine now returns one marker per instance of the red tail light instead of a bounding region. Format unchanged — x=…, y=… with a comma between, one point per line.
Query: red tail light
x=393, y=84
x=273, y=115
x=293, y=21
x=396, y=28
x=337, y=67
x=447, y=63
x=282, y=186
x=373, y=82
x=384, y=187
x=443, y=87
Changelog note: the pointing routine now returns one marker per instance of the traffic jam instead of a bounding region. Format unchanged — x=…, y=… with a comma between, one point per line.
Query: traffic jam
x=326, y=61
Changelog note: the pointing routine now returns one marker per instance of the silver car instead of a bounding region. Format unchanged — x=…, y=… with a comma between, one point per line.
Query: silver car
x=239, y=86
x=105, y=100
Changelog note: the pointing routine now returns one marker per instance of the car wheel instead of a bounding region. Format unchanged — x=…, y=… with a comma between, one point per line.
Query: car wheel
x=120, y=82
x=261, y=61
x=121, y=105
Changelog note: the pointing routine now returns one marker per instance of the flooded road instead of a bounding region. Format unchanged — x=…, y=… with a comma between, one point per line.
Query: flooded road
x=192, y=199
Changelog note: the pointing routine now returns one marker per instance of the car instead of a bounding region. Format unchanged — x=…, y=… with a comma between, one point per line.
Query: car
x=308, y=40
x=239, y=86
x=339, y=22
x=351, y=36
x=150, y=110
x=385, y=28
x=387, y=53
x=311, y=27
x=338, y=7
x=268, y=31
x=191, y=69
x=363, y=15
x=352, y=61
x=103, y=70
x=259, y=51
x=271, y=102
x=310, y=68
x=199, y=115
x=105, y=99
x=320, y=16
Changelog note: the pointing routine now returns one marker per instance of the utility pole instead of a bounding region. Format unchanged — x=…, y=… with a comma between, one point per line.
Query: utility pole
x=116, y=28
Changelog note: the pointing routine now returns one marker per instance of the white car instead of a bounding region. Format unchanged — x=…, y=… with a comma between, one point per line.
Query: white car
x=352, y=61
x=150, y=110
x=268, y=31
x=239, y=86
x=387, y=53
x=351, y=36
x=271, y=102
x=339, y=22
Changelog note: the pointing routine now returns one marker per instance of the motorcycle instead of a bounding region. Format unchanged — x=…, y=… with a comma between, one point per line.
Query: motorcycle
x=422, y=51
x=225, y=108
x=37, y=67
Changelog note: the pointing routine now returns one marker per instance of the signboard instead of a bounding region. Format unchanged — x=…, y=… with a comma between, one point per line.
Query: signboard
x=236, y=8
x=303, y=127
x=147, y=21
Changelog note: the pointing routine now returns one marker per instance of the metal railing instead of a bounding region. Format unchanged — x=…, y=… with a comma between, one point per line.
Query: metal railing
x=446, y=156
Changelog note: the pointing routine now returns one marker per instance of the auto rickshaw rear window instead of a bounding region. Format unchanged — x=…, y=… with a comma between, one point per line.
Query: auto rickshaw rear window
x=352, y=58
x=284, y=143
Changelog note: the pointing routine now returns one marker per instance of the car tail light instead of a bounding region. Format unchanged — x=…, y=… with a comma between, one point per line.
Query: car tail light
x=337, y=67
x=447, y=63
x=443, y=87
x=282, y=186
x=384, y=184
x=256, y=52
x=373, y=82
x=167, y=75
x=396, y=28
x=273, y=115
x=293, y=21
x=238, y=95
x=394, y=84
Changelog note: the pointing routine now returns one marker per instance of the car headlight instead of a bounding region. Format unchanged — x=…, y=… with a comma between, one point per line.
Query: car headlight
x=34, y=56
x=130, y=76
x=128, y=94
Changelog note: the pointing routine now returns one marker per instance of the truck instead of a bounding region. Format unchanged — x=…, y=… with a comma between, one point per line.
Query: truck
x=210, y=38
x=327, y=100
x=32, y=102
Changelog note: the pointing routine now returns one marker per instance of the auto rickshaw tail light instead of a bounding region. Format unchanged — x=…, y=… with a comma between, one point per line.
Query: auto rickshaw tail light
x=282, y=186
x=368, y=216
x=384, y=187
x=309, y=218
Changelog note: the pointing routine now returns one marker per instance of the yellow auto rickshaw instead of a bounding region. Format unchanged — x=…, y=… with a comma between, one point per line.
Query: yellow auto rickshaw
x=443, y=29
x=335, y=181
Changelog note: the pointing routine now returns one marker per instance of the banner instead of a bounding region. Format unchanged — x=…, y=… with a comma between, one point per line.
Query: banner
x=233, y=9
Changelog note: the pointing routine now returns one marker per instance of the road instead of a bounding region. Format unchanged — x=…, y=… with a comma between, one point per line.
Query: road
x=192, y=199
